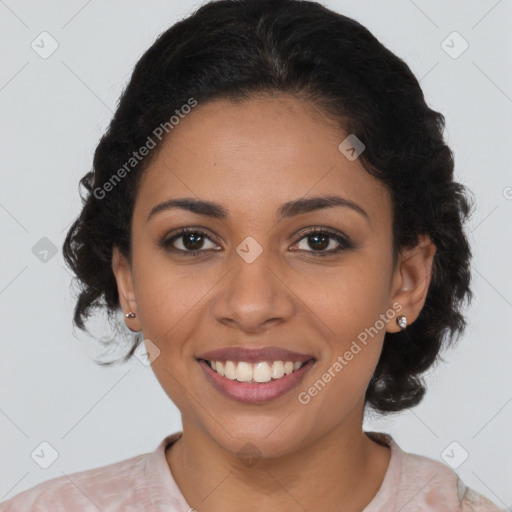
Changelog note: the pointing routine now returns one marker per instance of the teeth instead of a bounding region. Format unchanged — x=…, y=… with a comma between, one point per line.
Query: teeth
x=230, y=370
x=261, y=372
x=243, y=372
x=277, y=369
x=258, y=372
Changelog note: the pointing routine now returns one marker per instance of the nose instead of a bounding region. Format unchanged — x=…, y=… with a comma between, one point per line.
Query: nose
x=253, y=296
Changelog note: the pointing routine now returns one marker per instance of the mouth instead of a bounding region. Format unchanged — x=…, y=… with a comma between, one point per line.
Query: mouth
x=255, y=382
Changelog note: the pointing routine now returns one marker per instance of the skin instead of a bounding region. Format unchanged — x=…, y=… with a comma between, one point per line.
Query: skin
x=252, y=157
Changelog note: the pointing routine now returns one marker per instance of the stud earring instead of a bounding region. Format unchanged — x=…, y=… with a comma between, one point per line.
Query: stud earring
x=402, y=322
x=130, y=315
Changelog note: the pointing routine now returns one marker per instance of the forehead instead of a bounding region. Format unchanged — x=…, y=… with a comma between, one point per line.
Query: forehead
x=255, y=155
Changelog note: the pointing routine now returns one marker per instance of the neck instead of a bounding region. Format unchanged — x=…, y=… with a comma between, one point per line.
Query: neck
x=343, y=466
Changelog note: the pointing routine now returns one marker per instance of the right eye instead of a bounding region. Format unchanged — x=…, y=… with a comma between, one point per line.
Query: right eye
x=191, y=240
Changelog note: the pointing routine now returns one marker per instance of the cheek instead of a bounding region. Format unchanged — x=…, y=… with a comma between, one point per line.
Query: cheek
x=347, y=299
x=349, y=307
x=169, y=298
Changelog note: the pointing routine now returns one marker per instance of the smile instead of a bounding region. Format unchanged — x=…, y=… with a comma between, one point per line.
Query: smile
x=255, y=382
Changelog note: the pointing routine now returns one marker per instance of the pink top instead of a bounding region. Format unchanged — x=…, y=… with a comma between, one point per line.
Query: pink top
x=412, y=483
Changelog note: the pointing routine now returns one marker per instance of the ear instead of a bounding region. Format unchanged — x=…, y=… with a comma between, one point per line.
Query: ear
x=411, y=280
x=123, y=273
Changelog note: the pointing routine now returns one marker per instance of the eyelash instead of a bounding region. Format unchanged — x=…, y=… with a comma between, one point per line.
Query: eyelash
x=166, y=243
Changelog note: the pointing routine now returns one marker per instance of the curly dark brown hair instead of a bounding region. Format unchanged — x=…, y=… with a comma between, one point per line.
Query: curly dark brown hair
x=232, y=49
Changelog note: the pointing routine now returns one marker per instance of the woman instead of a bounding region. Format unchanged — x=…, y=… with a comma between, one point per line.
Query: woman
x=273, y=210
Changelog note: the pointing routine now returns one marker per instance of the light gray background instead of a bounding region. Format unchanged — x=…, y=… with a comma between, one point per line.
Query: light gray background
x=54, y=110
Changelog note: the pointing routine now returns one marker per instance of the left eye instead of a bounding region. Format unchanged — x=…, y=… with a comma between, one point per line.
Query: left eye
x=320, y=240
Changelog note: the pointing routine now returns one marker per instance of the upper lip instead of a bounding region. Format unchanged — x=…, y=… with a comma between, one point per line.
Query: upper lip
x=254, y=355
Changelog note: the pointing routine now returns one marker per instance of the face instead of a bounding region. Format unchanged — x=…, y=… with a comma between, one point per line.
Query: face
x=309, y=281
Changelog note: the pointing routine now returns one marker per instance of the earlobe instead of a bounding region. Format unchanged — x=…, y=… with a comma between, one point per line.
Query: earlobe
x=412, y=280
x=123, y=274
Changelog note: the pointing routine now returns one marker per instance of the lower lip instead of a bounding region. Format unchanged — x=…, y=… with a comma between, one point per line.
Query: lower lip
x=253, y=392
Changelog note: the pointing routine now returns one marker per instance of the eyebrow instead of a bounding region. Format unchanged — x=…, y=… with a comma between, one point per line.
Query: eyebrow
x=286, y=210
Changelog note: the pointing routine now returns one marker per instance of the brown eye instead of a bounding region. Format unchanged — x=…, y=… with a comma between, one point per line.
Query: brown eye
x=318, y=240
x=187, y=240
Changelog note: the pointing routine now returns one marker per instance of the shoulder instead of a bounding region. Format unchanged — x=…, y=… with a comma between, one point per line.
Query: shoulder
x=443, y=488
x=416, y=482
x=475, y=502
x=117, y=485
